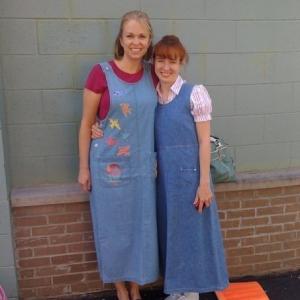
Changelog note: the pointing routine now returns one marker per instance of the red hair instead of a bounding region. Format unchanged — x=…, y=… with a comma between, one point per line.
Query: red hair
x=170, y=47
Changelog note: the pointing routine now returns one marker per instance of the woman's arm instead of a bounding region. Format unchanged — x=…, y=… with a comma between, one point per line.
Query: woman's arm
x=204, y=194
x=91, y=102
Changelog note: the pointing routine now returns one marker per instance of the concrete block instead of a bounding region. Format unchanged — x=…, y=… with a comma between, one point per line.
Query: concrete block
x=61, y=169
x=168, y=9
x=296, y=97
x=23, y=107
x=195, y=70
x=262, y=157
x=7, y=252
x=161, y=28
x=239, y=130
x=37, y=72
x=235, y=68
x=34, y=9
x=83, y=65
x=282, y=128
x=101, y=8
x=266, y=36
x=72, y=37
x=27, y=170
x=264, y=99
x=295, y=154
x=18, y=37
x=283, y=67
x=200, y=36
x=223, y=100
x=221, y=10
x=5, y=228
x=3, y=181
x=8, y=280
x=41, y=140
x=61, y=106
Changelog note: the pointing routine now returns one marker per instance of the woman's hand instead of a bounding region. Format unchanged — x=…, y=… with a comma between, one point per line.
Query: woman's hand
x=97, y=132
x=84, y=179
x=203, y=197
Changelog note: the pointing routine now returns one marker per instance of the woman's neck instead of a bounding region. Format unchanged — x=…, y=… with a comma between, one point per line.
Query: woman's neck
x=128, y=65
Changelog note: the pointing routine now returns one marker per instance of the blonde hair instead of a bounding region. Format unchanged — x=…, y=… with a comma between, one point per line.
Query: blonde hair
x=141, y=17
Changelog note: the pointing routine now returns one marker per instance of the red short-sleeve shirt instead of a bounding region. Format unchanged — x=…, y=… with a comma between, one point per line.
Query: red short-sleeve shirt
x=96, y=82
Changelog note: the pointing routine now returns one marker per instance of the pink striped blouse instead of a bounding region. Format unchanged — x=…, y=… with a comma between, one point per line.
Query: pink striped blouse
x=200, y=101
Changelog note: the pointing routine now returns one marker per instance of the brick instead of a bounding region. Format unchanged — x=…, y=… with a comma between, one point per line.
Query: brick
x=268, y=229
x=267, y=267
x=22, y=232
x=240, y=251
x=31, y=242
x=18, y=37
x=231, y=233
x=290, y=208
x=66, y=259
x=97, y=285
x=222, y=215
x=269, y=192
x=65, y=218
x=48, y=251
x=87, y=216
x=23, y=253
x=67, y=278
x=241, y=213
x=270, y=210
x=91, y=276
x=291, y=244
x=253, y=203
x=83, y=227
x=282, y=255
x=240, y=270
x=284, y=219
x=255, y=240
x=66, y=238
x=79, y=287
x=34, y=262
x=27, y=293
x=240, y=195
x=233, y=261
x=81, y=247
x=23, y=274
x=48, y=230
x=38, y=210
x=254, y=258
x=267, y=248
x=283, y=236
x=254, y=221
x=31, y=221
x=77, y=207
x=230, y=224
x=55, y=291
x=83, y=267
x=283, y=200
x=53, y=270
x=291, y=190
x=37, y=72
x=291, y=226
x=229, y=205
x=90, y=256
x=292, y=263
x=232, y=243
x=88, y=236
x=36, y=282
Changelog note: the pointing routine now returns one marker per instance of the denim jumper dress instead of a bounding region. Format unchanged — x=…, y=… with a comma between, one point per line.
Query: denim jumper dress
x=123, y=170
x=191, y=247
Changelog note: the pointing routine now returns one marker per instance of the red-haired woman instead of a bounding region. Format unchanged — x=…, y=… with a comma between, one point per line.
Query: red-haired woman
x=191, y=247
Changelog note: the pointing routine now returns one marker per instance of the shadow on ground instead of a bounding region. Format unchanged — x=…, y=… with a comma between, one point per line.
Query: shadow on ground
x=277, y=287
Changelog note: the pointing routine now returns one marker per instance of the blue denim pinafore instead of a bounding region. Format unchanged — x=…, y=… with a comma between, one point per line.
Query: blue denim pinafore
x=123, y=171
x=191, y=247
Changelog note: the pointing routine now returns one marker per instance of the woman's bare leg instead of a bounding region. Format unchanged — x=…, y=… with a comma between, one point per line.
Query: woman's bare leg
x=122, y=292
x=135, y=291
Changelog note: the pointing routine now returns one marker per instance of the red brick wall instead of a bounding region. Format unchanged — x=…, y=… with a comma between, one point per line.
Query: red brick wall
x=55, y=249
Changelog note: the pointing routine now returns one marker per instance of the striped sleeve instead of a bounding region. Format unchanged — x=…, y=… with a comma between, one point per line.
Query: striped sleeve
x=201, y=106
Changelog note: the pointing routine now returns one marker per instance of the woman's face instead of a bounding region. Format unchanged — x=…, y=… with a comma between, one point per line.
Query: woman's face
x=166, y=69
x=135, y=39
